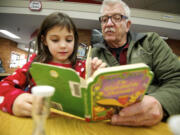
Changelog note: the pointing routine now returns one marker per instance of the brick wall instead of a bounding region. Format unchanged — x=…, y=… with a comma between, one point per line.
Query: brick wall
x=6, y=47
x=175, y=46
x=84, y=36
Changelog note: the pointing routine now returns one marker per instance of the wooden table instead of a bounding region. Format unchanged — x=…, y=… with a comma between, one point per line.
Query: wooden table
x=61, y=125
x=2, y=75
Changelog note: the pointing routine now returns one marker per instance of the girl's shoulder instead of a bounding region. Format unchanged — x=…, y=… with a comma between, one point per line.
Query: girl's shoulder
x=31, y=59
x=80, y=64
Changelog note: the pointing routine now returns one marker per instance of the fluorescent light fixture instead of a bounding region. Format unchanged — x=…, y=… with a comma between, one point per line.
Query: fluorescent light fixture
x=165, y=38
x=9, y=34
x=27, y=49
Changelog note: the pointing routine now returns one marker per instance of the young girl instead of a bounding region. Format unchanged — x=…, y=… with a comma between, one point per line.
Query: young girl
x=57, y=45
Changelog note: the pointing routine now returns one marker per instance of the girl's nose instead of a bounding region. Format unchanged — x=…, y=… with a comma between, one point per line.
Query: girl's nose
x=62, y=44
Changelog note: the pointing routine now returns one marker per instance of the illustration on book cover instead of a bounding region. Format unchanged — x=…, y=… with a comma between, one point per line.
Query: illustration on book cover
x=114, y=91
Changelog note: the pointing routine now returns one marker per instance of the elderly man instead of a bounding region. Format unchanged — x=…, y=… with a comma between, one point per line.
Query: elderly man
x=120, y=46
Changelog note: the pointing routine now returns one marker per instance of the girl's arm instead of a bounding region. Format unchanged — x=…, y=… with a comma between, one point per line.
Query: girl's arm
x=11, y=87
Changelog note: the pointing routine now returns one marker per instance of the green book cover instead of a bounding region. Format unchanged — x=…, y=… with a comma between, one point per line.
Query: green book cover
x=99, y=96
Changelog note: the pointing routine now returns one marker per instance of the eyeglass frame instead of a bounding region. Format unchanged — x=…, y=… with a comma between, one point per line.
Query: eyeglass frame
x=110, y=17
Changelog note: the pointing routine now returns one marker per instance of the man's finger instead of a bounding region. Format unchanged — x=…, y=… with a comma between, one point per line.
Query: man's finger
x=131, y=121
x=132, y=110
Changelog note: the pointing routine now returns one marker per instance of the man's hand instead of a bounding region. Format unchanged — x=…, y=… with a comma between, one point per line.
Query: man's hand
x=148, y=112
x=23, y=105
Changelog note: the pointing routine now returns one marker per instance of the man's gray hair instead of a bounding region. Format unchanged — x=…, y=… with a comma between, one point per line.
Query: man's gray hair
x=125, y=6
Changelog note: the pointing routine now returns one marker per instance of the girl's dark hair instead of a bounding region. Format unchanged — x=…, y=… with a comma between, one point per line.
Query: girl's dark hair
x=43, y=54
x=55, y=19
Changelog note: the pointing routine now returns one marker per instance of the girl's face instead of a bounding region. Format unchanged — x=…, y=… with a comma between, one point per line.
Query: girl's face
x=60, y=43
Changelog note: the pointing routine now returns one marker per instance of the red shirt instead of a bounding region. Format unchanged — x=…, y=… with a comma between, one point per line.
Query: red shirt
x=15, y=84
x=120, y=55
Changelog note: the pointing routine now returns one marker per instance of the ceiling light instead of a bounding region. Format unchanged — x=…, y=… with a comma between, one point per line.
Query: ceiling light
x=9, y=34
x=165, y=38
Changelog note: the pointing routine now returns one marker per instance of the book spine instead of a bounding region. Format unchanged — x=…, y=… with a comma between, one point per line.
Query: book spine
x=88, y=64
x=87, y=105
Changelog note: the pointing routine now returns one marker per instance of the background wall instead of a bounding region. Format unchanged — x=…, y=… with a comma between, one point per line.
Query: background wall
x=7, y=46
x=175, y=45
x=84, y=36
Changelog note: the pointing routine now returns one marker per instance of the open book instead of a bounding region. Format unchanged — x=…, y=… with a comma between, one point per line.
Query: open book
x=98, y=97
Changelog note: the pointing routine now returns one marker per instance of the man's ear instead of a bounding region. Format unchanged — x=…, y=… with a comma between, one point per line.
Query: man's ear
x=128, y=24
x=43, y=39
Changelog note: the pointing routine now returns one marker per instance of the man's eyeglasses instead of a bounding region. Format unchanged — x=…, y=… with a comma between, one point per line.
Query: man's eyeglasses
x=116, y=18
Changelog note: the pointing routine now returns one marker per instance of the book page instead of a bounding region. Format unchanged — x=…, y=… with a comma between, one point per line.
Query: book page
x=117, y=68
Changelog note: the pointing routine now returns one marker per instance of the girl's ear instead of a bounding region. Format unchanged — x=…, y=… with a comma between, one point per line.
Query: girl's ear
x=43, y=39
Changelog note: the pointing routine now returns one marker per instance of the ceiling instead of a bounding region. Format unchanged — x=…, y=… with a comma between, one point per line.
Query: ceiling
x=24, y=25
x=168, y=6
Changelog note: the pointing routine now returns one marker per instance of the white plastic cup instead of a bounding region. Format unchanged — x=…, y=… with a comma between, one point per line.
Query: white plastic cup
x=174, y=124
x=41, y=104
x=43, y=90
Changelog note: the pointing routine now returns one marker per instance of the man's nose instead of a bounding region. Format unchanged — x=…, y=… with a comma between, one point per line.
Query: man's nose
x=109, y=22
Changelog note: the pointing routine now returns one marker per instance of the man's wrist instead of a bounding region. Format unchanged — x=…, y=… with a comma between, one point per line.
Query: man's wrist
x=165, y=115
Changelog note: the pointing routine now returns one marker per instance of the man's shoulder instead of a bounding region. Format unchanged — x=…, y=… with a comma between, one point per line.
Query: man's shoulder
x=153, y=37
x=145, y=38
x=146, y=35
x=152, y=34
x=98, y=47
x=96, y=50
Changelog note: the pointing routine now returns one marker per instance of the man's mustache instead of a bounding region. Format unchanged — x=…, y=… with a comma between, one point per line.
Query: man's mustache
x=109, y=29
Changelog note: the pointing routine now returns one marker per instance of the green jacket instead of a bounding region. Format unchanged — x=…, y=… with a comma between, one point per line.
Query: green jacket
x=149, y=48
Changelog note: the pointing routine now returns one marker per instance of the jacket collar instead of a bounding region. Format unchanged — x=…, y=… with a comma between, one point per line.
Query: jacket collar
x=136, y=36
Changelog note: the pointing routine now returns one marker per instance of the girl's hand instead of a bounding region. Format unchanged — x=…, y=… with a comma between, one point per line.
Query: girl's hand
x=97, y=64
x=23, y=105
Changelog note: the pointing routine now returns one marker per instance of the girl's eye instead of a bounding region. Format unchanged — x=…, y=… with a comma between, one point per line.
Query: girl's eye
x=69, y=40
x=54, y=40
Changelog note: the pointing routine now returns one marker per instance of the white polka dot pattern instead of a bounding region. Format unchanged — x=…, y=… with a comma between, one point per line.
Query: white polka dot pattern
x=4, y=109
x=1, y=99
x=24, y=69
x=79, y=64
x=15, y=81
x=82, y=69
x=5, y=84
